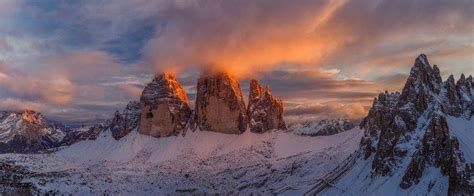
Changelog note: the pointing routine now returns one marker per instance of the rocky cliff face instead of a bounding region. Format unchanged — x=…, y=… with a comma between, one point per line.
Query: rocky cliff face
x=264, y=111
x=411, y=129
x=120, y=125
x=164, y=107
x=28, y=132
x=86, y=132
x=125, y=121
x=220, y=105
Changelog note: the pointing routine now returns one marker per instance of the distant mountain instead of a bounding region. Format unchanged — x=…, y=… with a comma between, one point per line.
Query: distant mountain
x=418, y=142
x=120, y=125
x=321, y=128
x=28, y=132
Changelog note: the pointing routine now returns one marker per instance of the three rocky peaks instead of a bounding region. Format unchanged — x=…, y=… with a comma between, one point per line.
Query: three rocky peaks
x=219, y=107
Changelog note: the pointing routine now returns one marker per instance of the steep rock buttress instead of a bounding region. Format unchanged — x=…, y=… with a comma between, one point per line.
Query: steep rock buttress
x=219, y=103
x=164, y=107
x=264, y=111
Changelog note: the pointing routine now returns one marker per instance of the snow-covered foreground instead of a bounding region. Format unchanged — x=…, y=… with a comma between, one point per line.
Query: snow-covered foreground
x=199, y=162
x=360, y=181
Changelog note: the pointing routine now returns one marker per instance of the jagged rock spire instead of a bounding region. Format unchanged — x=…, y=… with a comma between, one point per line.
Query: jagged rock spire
x=265, y=112
x=164, y=107
x=423, y=81
x=255, y=93
x=465, y=92
x=220, y=105
x=124, y=122
x=268, y=91
x=452, y=97
x=379, y=117
x=411, y=129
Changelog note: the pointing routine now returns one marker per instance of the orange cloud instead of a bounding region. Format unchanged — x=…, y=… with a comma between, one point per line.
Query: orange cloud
x=327, y=110
x=253, y=36
x=245, y=39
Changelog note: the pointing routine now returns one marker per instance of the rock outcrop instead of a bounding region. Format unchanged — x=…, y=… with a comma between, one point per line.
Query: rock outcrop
x=85, y=132
x=219, y=104
x=411, y=128
x=121, y=124
x=164, y=107
x=126, y=121
x=264, y=111
x=380, y=116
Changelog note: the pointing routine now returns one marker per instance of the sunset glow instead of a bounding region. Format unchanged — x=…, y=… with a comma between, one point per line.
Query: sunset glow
x=82, y=60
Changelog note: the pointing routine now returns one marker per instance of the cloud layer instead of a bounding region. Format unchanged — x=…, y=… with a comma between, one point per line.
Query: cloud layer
x=80, y=60
x=249, y=36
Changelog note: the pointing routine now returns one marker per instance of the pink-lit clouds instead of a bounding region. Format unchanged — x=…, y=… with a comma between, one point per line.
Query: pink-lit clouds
x=328, y=110
x=249, y=36
x=53, y=90
x=83, y=59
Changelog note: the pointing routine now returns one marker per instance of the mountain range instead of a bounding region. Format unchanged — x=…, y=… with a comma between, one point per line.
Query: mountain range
x=414, y=142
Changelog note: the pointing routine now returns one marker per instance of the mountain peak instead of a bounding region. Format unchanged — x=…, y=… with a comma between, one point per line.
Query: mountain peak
x=423, y=81
x=393, y=135
x=268, y=90
x=169, y=76
x=32, y=117
x=255, y=92
x=164, y=85
x=164, y=107
x=422, y=59
x=28, y=131
x=264, y=111
x=450, y=79
x=220, y=105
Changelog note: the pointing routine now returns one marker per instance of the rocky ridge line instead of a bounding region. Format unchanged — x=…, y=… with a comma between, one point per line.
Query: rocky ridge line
x=412, y=126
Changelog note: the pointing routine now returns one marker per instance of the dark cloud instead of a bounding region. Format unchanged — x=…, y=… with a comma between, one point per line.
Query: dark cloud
x=294, y=84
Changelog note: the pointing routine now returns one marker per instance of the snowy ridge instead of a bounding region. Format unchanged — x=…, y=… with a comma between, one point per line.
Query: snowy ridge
x=323, y=127
x=199, y=162
x=432, y=181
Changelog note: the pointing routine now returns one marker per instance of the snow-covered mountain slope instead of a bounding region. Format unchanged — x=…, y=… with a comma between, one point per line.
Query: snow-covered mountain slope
x=418, y=142
x=323, y=127
x=362, y=181
x=199, y=162
x=27, y=132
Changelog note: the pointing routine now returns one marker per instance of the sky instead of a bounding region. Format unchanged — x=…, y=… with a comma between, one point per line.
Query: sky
x=77, y=61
